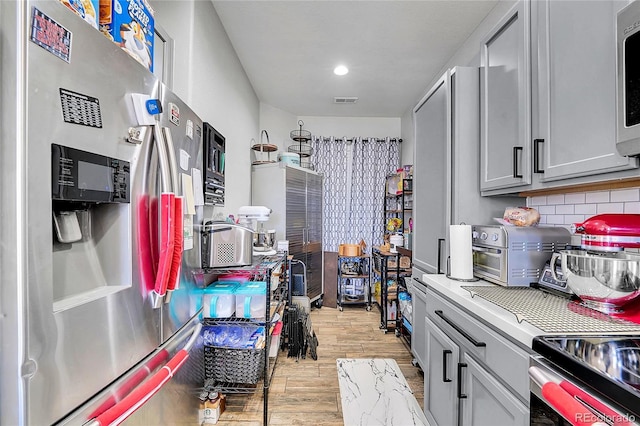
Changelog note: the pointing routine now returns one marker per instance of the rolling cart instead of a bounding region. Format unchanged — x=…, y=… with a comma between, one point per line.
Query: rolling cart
x=354, y=281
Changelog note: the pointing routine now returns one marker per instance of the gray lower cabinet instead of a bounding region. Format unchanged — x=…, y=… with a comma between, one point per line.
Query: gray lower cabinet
x=487, y=401
x=574, y=97
x=475, y=376
x=419, y=312
x=295, y=197
x=440, y=377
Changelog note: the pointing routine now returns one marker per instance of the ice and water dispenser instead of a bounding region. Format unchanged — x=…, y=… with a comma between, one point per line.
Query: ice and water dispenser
x=91, y=223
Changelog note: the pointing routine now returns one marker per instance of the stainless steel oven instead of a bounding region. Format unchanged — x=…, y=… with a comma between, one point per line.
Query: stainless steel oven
x=628, y=80
x=592, y=380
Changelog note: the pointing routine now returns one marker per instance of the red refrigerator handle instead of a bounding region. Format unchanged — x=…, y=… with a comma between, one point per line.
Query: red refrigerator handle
x=167, y=230
x=122, y=410
x=178, y=245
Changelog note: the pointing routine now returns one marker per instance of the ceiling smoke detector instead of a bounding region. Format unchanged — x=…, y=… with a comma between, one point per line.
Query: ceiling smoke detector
x=345, y=100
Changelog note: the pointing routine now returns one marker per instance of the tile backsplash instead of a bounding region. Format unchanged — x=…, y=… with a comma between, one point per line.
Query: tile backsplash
x=570, y=208
x=566, y=209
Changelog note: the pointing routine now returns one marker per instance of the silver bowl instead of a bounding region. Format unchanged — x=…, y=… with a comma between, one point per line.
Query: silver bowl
x=603, y=281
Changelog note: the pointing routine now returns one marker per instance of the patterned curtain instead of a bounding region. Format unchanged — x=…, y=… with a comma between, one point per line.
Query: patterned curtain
x=354, y=187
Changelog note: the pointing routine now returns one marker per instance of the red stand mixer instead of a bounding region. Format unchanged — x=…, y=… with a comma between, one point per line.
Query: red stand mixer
x=603, y=275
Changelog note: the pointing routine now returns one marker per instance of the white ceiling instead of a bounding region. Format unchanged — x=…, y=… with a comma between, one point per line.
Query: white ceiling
x=393, y=50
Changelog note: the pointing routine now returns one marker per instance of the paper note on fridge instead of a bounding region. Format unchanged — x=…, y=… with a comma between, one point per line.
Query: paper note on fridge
x=184, y=159
x=198, y=191
x=187, y=190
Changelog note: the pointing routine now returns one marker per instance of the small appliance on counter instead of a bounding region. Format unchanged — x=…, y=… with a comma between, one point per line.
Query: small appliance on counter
x=514, y=255
x=553, y=282
x=253, y=217
x=602, y=274
x=226, y=244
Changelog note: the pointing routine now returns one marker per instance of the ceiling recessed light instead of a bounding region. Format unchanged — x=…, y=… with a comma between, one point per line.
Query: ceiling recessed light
x=340, y=70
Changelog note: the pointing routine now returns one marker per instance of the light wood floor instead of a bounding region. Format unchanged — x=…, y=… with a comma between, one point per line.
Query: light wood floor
x=306, y=392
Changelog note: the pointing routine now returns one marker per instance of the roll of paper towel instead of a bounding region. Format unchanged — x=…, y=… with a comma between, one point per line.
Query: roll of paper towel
x=461, y=252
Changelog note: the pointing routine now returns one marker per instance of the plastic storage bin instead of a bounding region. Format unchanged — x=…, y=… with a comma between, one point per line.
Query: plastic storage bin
x=219, y=299
x=251, y=300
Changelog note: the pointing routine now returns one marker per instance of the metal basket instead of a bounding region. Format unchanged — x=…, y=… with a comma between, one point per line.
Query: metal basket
x=303, y=149
x=234, y=365
x=306, y=164
x=300, y=135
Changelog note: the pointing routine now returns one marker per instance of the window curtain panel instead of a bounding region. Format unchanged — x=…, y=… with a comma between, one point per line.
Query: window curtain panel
x=354, y=187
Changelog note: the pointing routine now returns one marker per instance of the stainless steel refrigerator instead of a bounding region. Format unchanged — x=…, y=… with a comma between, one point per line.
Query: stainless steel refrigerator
x=100, y=196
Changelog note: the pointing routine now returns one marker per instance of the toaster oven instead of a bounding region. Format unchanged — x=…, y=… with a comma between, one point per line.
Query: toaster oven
x=226, y=244
x=514, y=255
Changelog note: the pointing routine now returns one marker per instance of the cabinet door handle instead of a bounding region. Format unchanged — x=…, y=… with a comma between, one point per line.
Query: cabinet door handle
x=445, y=352
x=459, y=329
x=440, y=241
x=461, y=395
x=536, y=156
x=516, y=174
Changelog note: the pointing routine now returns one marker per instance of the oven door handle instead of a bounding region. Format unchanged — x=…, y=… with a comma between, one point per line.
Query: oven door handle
x=581, y=395
x=565, y=404
x=565, y=398
x=488, y=251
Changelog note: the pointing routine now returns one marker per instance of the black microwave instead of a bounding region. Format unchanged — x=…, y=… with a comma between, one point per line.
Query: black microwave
x=83, y=176
x=628, y=80
x=214, y=156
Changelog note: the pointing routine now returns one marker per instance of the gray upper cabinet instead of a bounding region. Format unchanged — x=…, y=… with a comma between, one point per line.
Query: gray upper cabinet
x=574, y=81
x=505, y=117
x=447, y=144
x=429, y=175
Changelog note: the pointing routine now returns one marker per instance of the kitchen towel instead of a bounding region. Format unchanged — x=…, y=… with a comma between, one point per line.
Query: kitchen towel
x=460, y=251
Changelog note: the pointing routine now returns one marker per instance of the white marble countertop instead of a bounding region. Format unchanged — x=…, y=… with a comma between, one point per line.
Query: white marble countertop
x=374, y=392
x=493, y=314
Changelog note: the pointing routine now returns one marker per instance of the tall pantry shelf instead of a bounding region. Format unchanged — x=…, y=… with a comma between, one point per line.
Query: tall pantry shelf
x=404, y=318
x=398, y=204
x=263, y=268
x=386, y=272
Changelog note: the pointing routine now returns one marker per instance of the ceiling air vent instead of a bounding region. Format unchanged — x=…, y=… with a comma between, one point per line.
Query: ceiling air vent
x=345, y=100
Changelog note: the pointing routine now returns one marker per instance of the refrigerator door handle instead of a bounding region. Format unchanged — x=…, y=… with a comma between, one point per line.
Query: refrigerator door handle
x=166, y=179
x=136, y=399
x=171, y=156
x=167, y=221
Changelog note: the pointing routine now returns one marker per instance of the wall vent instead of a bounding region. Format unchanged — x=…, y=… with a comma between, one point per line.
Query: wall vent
x=345, y=100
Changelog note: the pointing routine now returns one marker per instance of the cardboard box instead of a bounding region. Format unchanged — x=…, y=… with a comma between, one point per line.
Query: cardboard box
x=86, y=9
x=130, y=24
x=210, y=411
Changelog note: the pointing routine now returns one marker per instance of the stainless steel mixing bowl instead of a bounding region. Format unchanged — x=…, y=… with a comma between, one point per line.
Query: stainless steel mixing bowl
x=604, y=281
